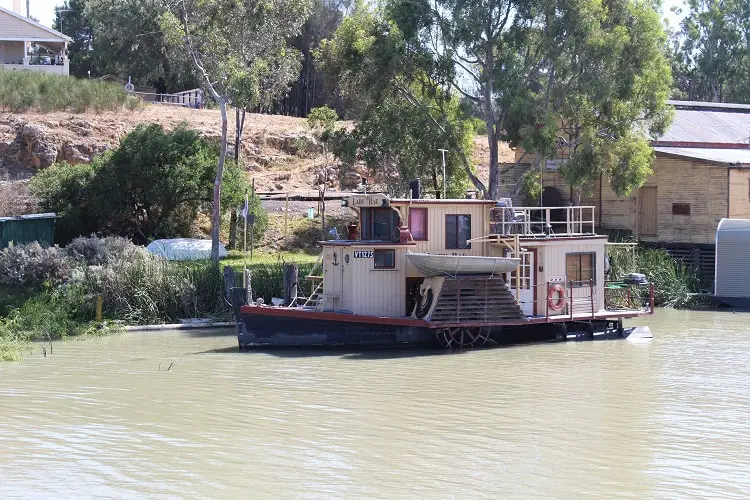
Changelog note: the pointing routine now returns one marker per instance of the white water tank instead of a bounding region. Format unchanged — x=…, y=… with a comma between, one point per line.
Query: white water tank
x=732, y=265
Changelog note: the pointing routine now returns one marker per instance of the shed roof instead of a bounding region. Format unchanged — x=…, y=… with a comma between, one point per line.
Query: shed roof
x=711, y=155
x=48, y=215
x=707, y=123
x=36, y=30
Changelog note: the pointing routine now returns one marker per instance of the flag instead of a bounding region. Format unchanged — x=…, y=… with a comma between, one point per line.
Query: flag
x=245, y=210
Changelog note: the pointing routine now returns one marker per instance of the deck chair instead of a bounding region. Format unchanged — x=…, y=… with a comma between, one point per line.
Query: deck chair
x=514, y=220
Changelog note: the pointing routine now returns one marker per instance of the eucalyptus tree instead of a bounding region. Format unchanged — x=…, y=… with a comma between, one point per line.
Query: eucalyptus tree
x=713, y=51
x=229, y=42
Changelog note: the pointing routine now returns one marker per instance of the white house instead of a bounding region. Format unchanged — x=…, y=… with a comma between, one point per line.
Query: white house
x=18, y=36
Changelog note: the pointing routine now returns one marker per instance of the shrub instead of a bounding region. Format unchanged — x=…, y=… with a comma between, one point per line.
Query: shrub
x=31, y=266
x=28, y=90
x=94, y=251
x=152, y=186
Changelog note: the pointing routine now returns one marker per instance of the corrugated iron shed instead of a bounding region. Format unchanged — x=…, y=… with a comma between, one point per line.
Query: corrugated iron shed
x=713, y=126
x=739, y=157
x=27, y=229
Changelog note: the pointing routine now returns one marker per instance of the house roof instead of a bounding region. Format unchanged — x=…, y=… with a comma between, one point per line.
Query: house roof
x=707, y=124
x=36, y=25
x=740, y=157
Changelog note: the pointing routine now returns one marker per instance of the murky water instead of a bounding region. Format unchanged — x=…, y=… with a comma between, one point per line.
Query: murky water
x=104, y=418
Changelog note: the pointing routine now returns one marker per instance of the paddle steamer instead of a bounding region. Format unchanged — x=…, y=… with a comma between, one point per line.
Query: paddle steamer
x=458, y=272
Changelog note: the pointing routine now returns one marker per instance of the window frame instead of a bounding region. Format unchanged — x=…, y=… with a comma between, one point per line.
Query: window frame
x=679, y=209
x=426, y=223
x=579, y=271
x=457, y=241
x=367, y=224
x=386, y=251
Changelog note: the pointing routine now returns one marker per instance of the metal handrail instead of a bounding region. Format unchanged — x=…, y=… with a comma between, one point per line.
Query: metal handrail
x=537, y=221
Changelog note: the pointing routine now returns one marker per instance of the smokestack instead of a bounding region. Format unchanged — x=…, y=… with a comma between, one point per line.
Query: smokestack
x=17, y=7
x=28, y=11
x=415, y=187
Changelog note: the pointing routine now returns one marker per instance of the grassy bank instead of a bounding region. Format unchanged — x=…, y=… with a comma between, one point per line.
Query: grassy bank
x=52, y=293
x=22, y=91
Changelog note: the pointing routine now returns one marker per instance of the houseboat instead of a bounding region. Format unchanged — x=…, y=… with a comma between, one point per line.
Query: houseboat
x=456, y=272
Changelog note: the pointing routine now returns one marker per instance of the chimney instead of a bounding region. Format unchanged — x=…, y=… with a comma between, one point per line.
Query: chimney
x=17, y=7
x=415, y=188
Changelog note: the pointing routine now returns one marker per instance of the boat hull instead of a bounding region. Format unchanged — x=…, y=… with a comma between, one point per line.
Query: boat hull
x=259, y=327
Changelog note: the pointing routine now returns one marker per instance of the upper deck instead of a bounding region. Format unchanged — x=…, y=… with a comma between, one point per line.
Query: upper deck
x=542, y=222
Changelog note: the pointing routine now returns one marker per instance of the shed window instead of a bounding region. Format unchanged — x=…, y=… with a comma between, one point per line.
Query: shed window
x=457, y=231
x=418, y=223
x=680, y=208
x=384, y=259
x=580, y=268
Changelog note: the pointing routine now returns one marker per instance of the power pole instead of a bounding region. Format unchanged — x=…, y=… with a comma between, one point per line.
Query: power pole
x=445, y=193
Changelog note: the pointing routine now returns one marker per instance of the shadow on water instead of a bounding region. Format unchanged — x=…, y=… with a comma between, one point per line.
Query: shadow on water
x=215, y=332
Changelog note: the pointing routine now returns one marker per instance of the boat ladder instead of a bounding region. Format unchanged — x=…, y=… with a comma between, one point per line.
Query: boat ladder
x=313, y=301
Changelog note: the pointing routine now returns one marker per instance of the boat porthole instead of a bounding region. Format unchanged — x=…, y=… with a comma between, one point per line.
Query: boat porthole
x=346, y=258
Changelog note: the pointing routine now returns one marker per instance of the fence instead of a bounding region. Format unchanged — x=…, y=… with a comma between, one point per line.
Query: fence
x=188, y=98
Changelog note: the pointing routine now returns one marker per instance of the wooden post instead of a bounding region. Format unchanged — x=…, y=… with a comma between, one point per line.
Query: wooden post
x=99, y=308
x=291, y=275
x=286, y=215
x=591, y=292
x=517, y=243
x=248, y=287
x=570, y=300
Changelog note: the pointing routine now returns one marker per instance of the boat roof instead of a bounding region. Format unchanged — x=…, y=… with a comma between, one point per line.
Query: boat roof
x=436, y=201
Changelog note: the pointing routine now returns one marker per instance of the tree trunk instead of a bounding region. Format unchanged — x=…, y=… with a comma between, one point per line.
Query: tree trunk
x=216, y=216
x=493, y=190
x=239, y=128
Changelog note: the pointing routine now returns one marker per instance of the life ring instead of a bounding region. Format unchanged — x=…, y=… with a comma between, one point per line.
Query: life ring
x=556, y=303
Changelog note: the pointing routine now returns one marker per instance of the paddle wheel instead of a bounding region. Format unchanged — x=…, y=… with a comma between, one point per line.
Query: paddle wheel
x=463, y=336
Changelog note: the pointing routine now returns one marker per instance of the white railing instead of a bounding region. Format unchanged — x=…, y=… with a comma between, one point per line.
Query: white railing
x=189, y=98
x=57, y=69
x=542, y=221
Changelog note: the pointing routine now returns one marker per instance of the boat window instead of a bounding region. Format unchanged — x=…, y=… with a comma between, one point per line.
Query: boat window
x=380, y=224
x=457, y=231
x=384, y=259
x=580, y=268
x=418, y=223
x=680, y=208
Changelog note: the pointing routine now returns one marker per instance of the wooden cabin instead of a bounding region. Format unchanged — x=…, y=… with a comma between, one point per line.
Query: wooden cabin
x=373, y=275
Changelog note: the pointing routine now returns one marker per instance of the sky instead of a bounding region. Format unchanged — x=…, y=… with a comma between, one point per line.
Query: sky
x=44, y=10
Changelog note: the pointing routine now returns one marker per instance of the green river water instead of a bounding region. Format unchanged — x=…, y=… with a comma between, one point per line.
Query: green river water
x=104, y=418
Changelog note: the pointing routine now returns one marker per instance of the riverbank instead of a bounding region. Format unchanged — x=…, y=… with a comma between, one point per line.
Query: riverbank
x=52, y=293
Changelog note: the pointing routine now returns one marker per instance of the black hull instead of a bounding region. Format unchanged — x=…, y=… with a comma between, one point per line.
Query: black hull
x=257, y=331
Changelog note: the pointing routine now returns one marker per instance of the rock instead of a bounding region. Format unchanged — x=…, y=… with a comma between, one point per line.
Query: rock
x=38, y=147
x=283, y=177
x=279, y=186
x=351, y=180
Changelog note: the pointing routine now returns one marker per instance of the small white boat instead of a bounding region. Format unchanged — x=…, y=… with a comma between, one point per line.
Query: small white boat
x=437, y=265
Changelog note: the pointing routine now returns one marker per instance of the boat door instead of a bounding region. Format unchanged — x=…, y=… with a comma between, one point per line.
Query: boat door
x=333, y=270
x=526, y=291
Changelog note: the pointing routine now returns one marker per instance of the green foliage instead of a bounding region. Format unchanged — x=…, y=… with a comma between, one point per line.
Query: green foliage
x=407, y=114
x=152, y=186
x=29, y=90
x=675, y=283
x=136, y=288
x=711, y=52
x=32, y=266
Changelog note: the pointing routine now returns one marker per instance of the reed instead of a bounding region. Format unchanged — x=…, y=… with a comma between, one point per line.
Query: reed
x=22, y=91
x=675, y=283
